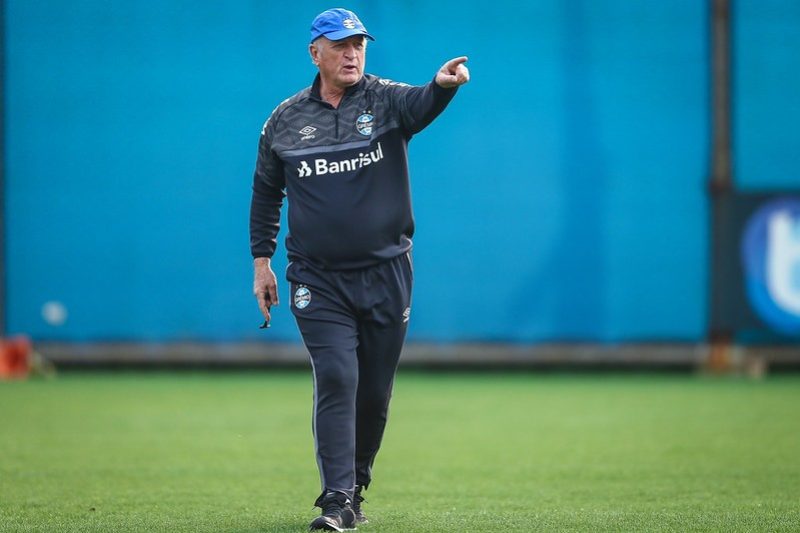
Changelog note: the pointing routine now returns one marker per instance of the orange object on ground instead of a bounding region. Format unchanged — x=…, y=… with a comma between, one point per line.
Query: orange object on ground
x=15, y=357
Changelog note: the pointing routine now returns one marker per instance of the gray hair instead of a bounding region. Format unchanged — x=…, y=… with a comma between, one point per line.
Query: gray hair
x=316, y=44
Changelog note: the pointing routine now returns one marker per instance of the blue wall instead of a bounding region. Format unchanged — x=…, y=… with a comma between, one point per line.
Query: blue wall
x=767, y=85
x=560, y=197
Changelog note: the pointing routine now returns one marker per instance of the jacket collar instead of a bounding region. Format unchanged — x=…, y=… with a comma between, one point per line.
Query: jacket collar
x=315, y=94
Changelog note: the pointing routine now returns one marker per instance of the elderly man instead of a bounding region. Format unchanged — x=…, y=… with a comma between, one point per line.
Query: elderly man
x=338, y=150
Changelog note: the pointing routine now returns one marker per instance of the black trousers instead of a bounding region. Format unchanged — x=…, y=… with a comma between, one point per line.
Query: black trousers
x=353, y=323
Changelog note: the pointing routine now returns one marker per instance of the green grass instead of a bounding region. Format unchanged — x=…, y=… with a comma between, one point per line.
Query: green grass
x=463, y=452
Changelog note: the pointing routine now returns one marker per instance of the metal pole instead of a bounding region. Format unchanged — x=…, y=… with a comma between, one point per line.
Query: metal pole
x=721, y=187
x=721, y=165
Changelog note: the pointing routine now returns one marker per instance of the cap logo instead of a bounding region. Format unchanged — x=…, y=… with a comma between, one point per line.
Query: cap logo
x=349, y=24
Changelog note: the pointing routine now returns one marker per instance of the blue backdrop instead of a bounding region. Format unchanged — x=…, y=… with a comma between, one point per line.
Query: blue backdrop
x=560, y=197
x=766, y=104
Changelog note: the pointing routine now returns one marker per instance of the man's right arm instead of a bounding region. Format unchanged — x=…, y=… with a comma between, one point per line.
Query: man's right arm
x=417, y=106
x=265, y=214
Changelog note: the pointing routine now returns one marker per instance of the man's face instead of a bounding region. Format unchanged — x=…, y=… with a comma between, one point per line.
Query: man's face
x=341, y=63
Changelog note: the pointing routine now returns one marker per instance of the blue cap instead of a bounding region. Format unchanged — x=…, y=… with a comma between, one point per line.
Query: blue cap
x=336, y=24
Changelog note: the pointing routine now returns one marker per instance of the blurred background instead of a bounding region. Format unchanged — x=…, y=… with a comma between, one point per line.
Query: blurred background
x=617, y=184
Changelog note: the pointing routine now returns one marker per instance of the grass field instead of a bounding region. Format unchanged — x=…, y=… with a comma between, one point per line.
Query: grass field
x=463, y=452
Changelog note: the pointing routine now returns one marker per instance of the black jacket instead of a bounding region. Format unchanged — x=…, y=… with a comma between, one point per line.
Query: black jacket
x=344, y=171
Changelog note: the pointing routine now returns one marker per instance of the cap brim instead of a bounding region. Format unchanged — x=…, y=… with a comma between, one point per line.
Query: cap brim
x=344, y=34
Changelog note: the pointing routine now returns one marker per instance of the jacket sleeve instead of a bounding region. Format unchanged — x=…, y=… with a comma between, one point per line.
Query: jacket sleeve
x=417, y=106
x=269, y=184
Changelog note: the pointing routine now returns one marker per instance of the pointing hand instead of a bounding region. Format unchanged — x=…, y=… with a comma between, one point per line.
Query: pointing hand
x=453, y=73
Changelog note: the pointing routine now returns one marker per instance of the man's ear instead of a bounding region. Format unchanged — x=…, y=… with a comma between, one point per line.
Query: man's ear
x=313, y=51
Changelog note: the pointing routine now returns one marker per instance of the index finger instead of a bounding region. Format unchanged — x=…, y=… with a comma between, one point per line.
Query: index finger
x=453, y=63
x=264, y=305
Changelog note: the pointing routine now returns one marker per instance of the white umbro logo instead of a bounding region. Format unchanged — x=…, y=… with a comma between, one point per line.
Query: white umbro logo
x=307, y=133
x=349, y=24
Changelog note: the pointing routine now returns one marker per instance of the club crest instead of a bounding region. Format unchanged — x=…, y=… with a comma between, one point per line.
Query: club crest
x=302, y=297
x=364, y=124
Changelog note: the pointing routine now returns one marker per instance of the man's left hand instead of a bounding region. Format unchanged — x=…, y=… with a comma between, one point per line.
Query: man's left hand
x=453, y=73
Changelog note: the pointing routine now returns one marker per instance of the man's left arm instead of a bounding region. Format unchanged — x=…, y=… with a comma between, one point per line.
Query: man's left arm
x=418, y=106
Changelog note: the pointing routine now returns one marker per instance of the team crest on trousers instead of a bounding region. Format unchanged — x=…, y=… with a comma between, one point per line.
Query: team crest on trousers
x=302, y=297
x=365, y=123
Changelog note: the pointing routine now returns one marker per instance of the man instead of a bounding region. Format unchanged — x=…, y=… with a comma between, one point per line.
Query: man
x=338, y=150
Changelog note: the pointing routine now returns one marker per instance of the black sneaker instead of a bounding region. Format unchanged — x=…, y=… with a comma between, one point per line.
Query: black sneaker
x=357, y=500
x=337, y=515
